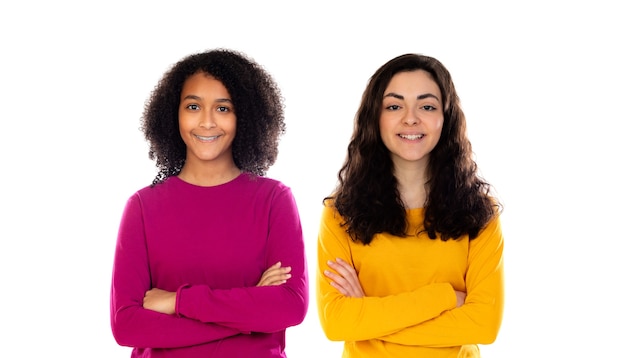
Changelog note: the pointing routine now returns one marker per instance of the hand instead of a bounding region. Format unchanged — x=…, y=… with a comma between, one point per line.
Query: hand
x=275, y=275
x=160, y=301
x=460, y=298
x=344, y=278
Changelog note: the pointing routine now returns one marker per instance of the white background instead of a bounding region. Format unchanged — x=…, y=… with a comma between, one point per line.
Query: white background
x=541, y=82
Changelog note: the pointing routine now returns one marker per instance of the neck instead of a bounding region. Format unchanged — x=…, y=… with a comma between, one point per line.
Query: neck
x=208, y=176
x=412, y=186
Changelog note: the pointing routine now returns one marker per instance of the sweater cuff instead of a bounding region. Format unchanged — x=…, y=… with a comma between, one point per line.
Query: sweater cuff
x=178, y=298
x=452, y=296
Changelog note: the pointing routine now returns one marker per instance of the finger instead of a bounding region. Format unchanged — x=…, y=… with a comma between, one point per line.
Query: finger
x=271, y=269
x=346, y=271
x=334, y=276
x=347, y=278
x=350, y=275
x=346, y=266
x=275, y=283
x=277, y=279
x=275, y=276
x=340, y=288
x=273, y=272
x=339, y=283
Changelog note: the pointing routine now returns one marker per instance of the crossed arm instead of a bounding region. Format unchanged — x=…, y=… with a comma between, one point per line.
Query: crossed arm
x=343, y=277
x=165, y=301
x=437, y=314
x=142, y=316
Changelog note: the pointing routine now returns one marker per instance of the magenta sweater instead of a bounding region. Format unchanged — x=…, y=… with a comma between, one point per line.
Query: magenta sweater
x=211, y=245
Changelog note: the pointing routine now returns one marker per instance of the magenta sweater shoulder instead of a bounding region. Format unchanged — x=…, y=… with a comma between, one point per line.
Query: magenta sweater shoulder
x=211, y=245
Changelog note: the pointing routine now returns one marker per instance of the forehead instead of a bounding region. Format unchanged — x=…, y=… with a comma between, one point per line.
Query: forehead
x=203, y=82
x=413, y=82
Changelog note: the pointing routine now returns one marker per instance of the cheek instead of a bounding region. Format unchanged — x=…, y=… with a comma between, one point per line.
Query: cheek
x=230, y=125
x=437, y=124
x=385, y=125
x=182, y=128
x=435, y=127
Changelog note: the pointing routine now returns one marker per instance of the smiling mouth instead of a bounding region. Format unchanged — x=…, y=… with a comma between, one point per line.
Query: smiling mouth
x=206, y=138
x=411, y=136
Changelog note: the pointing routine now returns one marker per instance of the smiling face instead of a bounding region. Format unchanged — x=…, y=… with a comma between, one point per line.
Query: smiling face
x=207, y=121
x=412, y=117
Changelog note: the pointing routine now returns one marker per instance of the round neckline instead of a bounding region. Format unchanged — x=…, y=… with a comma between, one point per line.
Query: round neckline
x=240, y=175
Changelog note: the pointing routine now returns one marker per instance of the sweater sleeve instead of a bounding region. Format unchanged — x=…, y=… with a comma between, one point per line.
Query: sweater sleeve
x=478, y=320
x=355, y=319
x=260, y=309
x=131, y=324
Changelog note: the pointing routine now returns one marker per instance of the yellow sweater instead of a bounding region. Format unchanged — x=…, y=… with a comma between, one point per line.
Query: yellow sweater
x=409, y=308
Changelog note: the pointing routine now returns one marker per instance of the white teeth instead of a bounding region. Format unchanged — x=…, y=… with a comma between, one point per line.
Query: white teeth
x=412, y=136
x=206, y=138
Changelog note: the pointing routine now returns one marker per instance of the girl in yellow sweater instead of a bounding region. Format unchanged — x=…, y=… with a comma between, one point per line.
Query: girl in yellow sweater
x=410, y=244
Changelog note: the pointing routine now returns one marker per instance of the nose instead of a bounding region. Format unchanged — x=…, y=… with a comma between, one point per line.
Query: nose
x=207, y=120
x=411, y=118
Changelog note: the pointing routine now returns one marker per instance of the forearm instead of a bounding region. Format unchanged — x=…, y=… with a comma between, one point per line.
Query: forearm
x=478, y=320
x=134, y=326
x=346, y=318
x=251, y=309
x=469, y=324
x=354, y=319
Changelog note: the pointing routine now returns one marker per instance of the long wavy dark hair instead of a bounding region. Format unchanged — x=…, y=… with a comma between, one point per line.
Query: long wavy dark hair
x=256, y=97
x=458, y=201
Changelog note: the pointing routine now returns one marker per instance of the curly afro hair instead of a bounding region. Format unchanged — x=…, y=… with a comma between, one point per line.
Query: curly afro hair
x=256, y=98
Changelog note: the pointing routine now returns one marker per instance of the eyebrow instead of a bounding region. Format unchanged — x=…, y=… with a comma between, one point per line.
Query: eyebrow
x=198, y=98
x=422, y=96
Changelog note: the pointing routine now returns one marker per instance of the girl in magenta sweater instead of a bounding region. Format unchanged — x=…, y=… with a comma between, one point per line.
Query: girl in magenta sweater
x=210, y=258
